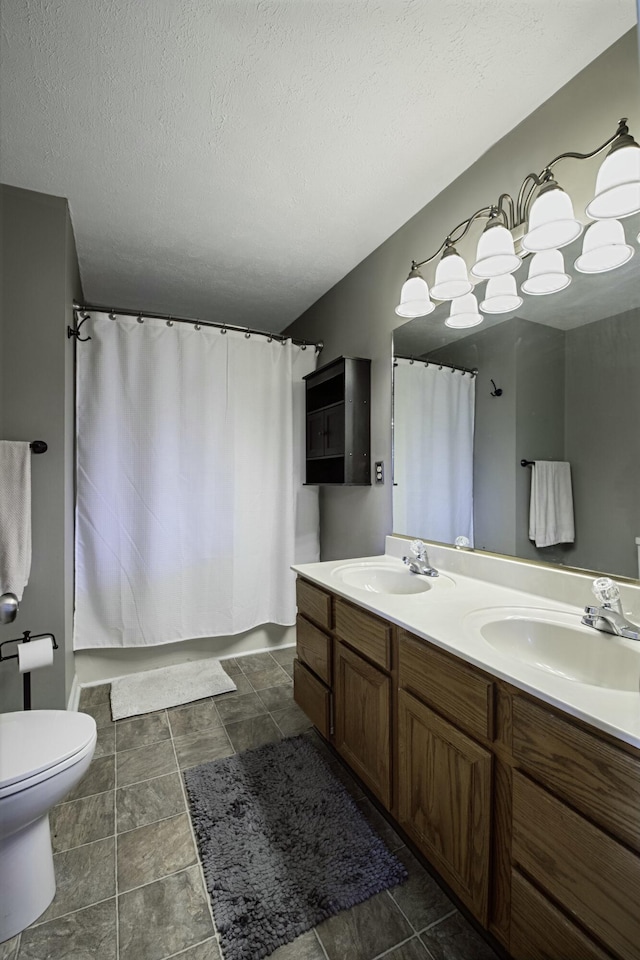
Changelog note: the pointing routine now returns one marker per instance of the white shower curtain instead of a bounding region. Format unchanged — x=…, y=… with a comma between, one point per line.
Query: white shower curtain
x=433, y=421
x=190, y=503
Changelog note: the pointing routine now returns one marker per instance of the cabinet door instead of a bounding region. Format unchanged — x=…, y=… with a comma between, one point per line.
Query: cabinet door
x=315, y=435
x=444, y=797
x=362, y=720
x=334, y=431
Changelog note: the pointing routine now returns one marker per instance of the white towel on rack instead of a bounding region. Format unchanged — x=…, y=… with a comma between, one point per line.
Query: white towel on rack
x=551, y=510
x=15, y=516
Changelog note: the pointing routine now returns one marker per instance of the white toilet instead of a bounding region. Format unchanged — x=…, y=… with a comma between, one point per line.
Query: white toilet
x=43, y=755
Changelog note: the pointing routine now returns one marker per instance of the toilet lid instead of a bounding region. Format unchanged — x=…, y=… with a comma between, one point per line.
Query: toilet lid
x=34, y=740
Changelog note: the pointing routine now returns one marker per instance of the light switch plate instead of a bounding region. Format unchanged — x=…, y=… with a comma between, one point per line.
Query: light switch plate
x=379, y=473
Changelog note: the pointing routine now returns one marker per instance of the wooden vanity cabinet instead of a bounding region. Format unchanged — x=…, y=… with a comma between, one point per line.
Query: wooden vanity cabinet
x=362, y=662
x=363, y=720
x=342, y=682
x=313, y=667
x=444, y=774
x=444, y=799
x=575, y=834
x=530, y=816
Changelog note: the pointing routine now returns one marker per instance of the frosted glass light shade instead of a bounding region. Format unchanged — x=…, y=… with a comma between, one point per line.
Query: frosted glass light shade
x=495, y=255
x=617, y=185
x=501, y=295
x=414, y=297
x=452, y=279
x=551, y=221
x=546, y=274
x=604, y=247
x=464, y=312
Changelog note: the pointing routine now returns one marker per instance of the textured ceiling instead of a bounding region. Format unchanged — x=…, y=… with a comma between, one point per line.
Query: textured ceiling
x=233, y=160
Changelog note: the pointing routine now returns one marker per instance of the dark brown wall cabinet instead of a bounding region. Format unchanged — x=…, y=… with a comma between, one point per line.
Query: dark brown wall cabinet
x=338, y=407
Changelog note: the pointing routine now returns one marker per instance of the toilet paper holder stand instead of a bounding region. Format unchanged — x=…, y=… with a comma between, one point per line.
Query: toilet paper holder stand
x=26, y=677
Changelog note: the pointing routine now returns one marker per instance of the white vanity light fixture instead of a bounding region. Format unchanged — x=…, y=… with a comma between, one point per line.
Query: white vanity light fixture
x=414, y=296
x=546, y=274
x=452, y=279
x=618, y=182
x=552, y=223
x=604, y=248
x=501, y=295
x=464, y=312
x=542, y=215
x=495, y=254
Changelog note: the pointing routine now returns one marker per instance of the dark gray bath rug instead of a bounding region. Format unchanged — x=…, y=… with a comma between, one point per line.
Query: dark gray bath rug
x=283, y=846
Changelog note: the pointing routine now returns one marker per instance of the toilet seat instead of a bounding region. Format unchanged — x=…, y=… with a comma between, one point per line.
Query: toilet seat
x=36, y=744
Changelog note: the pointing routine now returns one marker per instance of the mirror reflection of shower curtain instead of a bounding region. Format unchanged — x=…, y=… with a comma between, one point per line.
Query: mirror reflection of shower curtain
x=190, y=504
x=433, y=422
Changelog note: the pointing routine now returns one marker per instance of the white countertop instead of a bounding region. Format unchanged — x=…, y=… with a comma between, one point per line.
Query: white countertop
x=443, y=616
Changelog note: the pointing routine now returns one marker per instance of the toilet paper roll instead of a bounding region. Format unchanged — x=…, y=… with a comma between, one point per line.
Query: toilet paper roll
x=38, y=653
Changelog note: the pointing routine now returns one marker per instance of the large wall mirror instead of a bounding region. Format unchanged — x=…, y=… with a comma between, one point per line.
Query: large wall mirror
x=558, y=380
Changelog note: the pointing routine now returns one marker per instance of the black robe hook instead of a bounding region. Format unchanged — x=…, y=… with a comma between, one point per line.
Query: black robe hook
x=497, y=391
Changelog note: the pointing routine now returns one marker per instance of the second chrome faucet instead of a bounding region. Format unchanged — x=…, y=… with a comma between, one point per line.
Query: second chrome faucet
x=608, y=616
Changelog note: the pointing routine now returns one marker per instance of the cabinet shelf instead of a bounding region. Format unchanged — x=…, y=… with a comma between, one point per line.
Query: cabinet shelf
x=338, y=401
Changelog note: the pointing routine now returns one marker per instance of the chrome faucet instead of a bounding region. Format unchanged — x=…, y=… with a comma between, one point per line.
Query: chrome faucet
x=419, y=563
x=608, y=616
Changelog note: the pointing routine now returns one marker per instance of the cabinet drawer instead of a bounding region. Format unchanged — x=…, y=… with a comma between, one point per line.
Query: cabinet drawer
x=313, y=697
x=594, y=776
x=314, y=648
x=539, y=931
x=590, y=874
x=364, y=632
x=455, y=690
x=313, y=603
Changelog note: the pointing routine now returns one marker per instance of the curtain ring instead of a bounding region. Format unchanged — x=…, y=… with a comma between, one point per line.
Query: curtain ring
x=224, y=330
x=269, y=339
x=304, y=346
x=140, y=318
x=169, y=322
x=283, y=341
x=247, y=335
x=411, y=362
x=197, y=326
x=112, y=315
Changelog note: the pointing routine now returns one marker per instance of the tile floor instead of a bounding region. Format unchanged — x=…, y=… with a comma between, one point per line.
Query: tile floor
x=129, y=883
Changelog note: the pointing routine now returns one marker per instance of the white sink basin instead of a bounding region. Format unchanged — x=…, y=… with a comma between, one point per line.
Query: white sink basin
x=556, y=642
x=385, y=578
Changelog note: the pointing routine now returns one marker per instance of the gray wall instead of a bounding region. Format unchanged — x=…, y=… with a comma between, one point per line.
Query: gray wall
x=356, y=317
x=540, y=434
x=603, y=360
x=40, y=281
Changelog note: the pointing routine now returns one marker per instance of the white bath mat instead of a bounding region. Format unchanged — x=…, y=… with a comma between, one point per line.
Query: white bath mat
x=168, y=687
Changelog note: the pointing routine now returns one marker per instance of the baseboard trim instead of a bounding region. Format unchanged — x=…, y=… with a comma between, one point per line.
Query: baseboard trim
x=74, y=694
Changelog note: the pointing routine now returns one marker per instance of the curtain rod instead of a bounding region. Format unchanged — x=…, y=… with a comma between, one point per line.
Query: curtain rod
x=171, y=319
x=435, y=363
